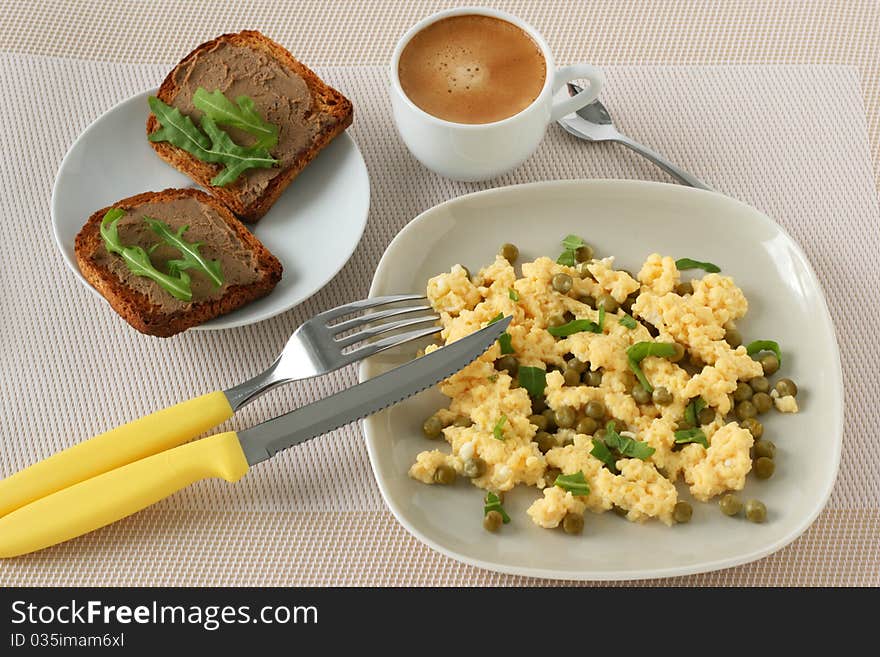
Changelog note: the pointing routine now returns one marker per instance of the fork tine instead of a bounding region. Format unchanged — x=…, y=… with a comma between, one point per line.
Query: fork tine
x=336, y=329
x=373, y=331
x=364, y=304
x=389, y=342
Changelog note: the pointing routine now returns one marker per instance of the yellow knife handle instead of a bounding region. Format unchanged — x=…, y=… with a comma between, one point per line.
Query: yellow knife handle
x=113, y=495
x=143, y=437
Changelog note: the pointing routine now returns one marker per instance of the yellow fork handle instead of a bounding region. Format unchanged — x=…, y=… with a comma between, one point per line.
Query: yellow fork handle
x=113, y=495
x=143, y=437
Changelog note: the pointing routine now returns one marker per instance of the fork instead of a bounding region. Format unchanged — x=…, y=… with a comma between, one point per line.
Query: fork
x=320, y=345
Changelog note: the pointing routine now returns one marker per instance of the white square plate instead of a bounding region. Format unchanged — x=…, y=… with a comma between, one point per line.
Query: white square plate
x=629, y=220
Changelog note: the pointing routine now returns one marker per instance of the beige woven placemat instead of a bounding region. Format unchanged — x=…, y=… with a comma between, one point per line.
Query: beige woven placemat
x=67, y=360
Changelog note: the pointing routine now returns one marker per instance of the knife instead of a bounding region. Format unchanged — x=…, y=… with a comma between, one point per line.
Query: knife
x=118, y=493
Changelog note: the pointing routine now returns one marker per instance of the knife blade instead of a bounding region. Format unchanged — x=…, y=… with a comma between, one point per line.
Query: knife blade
x=264, y=440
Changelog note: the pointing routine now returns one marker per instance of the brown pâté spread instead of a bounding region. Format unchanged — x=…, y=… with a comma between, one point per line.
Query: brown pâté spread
x=280, y=96
x=237, y=262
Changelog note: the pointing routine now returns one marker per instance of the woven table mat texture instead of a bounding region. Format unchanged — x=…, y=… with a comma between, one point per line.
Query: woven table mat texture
x=67, y=359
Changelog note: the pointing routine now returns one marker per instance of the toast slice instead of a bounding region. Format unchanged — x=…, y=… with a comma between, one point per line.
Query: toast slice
x=308, y=112
x=249, y=270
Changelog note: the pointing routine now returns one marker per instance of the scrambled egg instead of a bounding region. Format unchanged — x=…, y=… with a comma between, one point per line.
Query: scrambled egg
x=487, y=398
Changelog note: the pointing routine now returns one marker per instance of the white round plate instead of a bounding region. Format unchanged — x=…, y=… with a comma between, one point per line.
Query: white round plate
x=112, y=160
x=629, y=220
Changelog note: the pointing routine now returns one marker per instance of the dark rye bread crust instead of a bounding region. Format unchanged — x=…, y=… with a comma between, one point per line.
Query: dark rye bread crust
x=134, y=307
x=325, y=97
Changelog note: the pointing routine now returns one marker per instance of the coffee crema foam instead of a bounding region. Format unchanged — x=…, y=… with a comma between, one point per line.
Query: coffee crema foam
x=472, y=69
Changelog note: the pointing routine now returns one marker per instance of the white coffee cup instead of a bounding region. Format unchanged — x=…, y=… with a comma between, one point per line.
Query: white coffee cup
x=468, y=151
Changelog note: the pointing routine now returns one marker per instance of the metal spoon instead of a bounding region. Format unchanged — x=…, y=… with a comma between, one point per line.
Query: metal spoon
x=593, y=123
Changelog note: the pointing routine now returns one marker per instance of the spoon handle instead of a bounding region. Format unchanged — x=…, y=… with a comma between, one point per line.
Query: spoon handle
x=664, y=164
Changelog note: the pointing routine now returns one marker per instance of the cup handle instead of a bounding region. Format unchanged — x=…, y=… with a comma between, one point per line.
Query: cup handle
x=574, y=72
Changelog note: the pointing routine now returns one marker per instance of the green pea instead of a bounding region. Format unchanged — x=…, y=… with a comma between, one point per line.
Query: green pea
x=762, y=401
x=584, y=253
x=786, y=387
x=764, y=467
x=577, y=365
x=661, y=396
x=743, y=392
x=609, y=302
x=641, y=395
x=760, y=384
x=539, y=404
x=509, y=364
x=588, y=300
x=539, y=421
x=433, y=427
x=444, y=474
x=753, y=426
x=769, y=363
x=683, y=288
x=593, y=378
x=562, y=283
x=682, y=512
x=462, y=421
x=765, y=449
x=745, y=410
x=571, y=377
x=595, y=410
x=600, y=434
x=550, y=474
x=474, y=467
x=679, y=353
x=730, y=505
x=509, y=252
x=492, y=521
x=756, y=511
x=566, y=417
x=733, y=337
x=550, y=414
x=584, y=271
x=706, y=415
x=586, y=426
x=573, y=523
x=545, y=441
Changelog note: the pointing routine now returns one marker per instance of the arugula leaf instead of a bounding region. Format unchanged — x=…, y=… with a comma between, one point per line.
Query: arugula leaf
x=687, y=263
x=241, y=115
x=533, y=379
x=215, y=147
x=513, y=294
x=600, y=451
x=573, y=483
x=138, y=261
x=493, y=503
x=504, y=342
x=626, y=446
x=497, y=318
x=574, y=326
x=190, y=250
x=641, y=350
x=570, y=244
x=627, y=321
x=601, y=316
x=691, y=436
x=764, y=345
x=693, y=409
x=498, y=430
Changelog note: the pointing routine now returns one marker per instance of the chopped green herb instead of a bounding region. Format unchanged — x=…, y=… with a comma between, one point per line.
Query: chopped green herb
x=628, y=322
x=687, y=263
x=573, y=483
x=600, y=451
x=493, y=503
x=695, y=435
x=574, y=326
x=764, y=345
x=534, y=380
x=192, y=259
x=570, y=244
x=497, y=318
x=626, y=446
x=693, y=409
x=513, y=294
x=641, y=350
x=498, y=429
x=504, y=341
